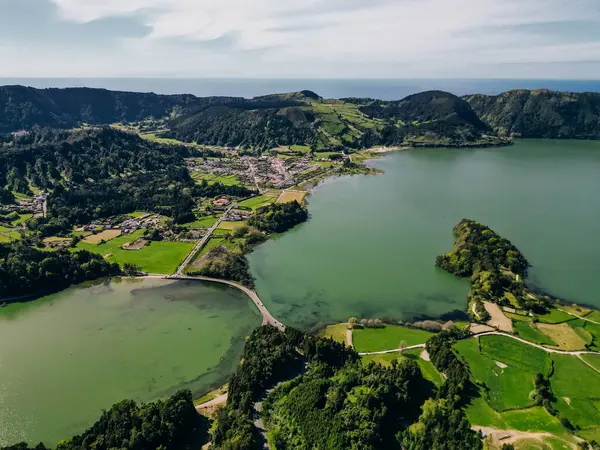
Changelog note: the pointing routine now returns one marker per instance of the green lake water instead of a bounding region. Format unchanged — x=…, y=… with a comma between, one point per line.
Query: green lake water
x=369, y=247
x=66, y=357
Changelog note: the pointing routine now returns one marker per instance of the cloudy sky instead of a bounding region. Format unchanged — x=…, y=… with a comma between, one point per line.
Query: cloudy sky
x=300, y=38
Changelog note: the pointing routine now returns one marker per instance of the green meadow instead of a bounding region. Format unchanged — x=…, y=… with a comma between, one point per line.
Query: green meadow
x=387, y=338
x=158, y=257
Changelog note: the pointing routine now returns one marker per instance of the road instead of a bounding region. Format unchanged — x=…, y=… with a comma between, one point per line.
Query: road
x=579, y=317
x=268, y=318
x=499, y=333
x=202, y=242
x=218, y=400
x=396, y=350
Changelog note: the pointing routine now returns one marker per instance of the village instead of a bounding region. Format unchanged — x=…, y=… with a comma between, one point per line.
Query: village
x=268, y=172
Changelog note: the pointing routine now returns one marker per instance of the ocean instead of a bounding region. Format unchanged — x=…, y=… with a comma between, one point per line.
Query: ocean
x=385, y=89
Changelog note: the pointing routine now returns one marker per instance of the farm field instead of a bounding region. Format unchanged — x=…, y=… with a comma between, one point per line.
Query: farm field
x=336, y=332
x=527, y=331
x=594, y=360
x=227, y=225
x=106, y=235
x=256, y=202
x=158, y=257
x=508, y=387
x=555, y=316
x=535, y=419
x=516, y=354
x=211, y=178
x=565, y=337
x=577, y=390
x=387, y=338
x=290, y=196
x=588, y=331
x=8, y=234
x=203, y=222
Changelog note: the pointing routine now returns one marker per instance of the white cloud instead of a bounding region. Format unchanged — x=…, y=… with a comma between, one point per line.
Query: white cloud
x=394, y=38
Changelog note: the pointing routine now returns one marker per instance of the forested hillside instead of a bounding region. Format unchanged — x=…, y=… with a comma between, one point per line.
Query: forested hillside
x=333, y=400
x=170, y=424
x=540, y=114
x=430, y=118
x=101, y=172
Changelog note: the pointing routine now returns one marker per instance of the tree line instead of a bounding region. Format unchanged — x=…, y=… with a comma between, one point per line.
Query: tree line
x=25, y=270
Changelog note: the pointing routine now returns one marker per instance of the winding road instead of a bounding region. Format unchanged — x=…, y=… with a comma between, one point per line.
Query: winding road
x=268, y=318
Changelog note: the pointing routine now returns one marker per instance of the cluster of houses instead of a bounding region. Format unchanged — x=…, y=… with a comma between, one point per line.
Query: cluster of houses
x=35, y=205
x=270, y=171
x=127, y=226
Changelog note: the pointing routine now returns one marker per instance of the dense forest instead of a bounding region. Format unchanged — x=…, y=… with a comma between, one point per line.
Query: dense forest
x=540, y=113
x=278, y=217
x=494, y=265
x=429, y=117
x=25, y=270
x=332, y=400
x=172, y=424
x=97, y=173
x=477, y=248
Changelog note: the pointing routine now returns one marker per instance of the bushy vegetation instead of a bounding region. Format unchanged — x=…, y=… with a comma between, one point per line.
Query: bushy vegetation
x=25, y=270
x=226, y=265
x=496, y=268
x=172, y=424
x=278, y=217
x=477, y=249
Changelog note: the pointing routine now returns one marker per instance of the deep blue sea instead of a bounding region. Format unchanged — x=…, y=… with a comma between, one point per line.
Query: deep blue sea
x=385, y=89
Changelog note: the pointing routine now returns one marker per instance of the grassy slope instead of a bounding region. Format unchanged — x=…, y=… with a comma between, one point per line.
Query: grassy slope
x=507, y=388
x=528, y=332
x=427, y=368
x=577, y=389
x=387, y=338
x=336, y=332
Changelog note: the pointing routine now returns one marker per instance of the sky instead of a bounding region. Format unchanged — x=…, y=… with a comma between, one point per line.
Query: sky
x=301, y=38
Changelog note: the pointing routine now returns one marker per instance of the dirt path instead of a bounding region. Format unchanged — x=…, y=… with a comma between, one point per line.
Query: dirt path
x=383, y=352
x=499, y=333
x=588, y=364
x=497, y=317
x=474, y=309
x=349, y=338
x=218, y=400
x=549, y=350
x=499, y=437
x=579, y=317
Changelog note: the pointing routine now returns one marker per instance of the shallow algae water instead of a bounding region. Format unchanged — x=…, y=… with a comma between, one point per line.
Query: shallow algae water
x=67, y=356
x=369, y=247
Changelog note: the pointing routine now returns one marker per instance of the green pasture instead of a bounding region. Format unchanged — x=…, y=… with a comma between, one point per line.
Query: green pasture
x=528, y=332
x=202, y=222
x=555, y=316
x=594, y=360
x=158, y=257
x=387, y=338
x=507, y=387
x=516, y=354
x=256, y=202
